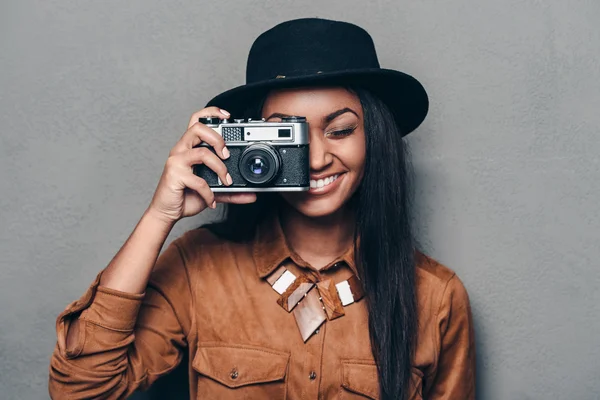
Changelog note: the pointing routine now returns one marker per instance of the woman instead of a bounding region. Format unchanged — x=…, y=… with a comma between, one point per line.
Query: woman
x=374, y=317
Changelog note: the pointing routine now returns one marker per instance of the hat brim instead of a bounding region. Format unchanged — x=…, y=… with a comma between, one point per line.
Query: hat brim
x=403, y=94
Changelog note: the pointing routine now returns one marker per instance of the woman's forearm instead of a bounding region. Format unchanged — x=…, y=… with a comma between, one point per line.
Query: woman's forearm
x=131, y=267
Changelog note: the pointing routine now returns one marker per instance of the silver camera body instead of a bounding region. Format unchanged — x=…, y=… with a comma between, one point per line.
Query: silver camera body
x=265, y=156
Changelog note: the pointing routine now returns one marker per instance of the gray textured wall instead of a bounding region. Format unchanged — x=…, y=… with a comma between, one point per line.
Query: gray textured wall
x=94, y=94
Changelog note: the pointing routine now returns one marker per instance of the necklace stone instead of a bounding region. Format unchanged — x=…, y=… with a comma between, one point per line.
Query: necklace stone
x=313, y=302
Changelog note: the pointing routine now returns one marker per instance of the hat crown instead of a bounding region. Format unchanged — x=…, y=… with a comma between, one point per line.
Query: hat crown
x=309, y=46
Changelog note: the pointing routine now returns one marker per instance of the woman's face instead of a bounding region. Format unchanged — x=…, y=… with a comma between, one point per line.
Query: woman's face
x=337, y=144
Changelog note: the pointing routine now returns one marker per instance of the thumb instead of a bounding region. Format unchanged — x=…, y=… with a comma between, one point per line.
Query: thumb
x=235, y=198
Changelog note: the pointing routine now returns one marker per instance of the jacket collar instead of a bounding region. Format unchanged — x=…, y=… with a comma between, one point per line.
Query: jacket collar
x=270, y=248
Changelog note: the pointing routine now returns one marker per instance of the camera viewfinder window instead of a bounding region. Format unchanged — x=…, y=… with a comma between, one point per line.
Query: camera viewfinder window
x=285, y=133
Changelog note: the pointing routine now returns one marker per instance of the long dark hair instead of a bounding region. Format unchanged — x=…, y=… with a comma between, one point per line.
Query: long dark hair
x=385, y=257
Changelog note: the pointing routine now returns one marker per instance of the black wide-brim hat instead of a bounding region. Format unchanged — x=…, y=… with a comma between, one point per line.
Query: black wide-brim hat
x=315, y=52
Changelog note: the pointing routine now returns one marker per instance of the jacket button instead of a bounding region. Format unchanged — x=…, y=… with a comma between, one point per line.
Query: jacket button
x=234, y=374
x=312, y=375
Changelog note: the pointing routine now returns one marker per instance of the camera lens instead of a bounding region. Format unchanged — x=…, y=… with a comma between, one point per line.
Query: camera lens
x=259, y=164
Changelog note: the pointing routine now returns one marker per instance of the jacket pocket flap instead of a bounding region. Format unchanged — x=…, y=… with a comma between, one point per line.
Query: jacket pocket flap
x=238, y=365
x=361, y=377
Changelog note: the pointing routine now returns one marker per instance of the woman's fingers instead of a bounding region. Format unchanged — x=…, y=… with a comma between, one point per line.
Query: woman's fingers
x=198, y=133
x=208, y=112
x=200, y=186
x=186, y=155
x=235, y=198
x=202, y=155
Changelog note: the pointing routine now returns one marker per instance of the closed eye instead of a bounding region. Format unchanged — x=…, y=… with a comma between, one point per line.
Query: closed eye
x=341, y=133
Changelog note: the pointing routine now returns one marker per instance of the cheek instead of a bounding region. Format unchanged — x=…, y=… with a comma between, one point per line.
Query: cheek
x=353, y=154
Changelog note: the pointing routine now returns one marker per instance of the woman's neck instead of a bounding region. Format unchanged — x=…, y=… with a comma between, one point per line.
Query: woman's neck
x=318, y=240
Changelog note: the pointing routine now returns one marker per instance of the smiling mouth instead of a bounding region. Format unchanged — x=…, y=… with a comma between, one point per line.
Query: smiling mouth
x=320, y=183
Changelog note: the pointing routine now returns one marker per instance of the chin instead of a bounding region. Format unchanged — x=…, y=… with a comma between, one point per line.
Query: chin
x=312, y=207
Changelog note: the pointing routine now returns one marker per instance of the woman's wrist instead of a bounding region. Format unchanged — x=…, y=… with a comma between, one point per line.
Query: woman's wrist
x=131, y=267
x=157, y=220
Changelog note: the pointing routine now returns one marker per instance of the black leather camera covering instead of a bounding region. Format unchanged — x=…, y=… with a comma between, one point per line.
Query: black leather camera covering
x=294, y=168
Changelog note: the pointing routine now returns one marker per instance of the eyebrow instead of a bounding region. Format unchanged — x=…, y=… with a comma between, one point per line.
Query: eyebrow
x=327, y=119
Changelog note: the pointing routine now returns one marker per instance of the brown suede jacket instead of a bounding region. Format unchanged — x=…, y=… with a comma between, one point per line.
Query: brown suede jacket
x=208, y=297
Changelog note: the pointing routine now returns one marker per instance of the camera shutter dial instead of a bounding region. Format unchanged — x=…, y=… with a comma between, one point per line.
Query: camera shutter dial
x=209, y=120
x=293, y=118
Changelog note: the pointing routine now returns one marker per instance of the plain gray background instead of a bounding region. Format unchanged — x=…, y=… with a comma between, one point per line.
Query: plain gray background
x=94, y=94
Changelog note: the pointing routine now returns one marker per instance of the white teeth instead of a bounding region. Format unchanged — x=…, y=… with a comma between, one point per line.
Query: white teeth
x=322, y=182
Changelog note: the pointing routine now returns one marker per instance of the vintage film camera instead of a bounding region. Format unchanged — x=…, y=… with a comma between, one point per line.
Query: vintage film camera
x=265, y=156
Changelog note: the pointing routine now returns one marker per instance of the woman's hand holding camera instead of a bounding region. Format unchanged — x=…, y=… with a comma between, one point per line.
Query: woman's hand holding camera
x=180, y=193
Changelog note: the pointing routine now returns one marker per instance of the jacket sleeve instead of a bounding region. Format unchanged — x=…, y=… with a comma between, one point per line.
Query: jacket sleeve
x=454, y=377
x=124, y=341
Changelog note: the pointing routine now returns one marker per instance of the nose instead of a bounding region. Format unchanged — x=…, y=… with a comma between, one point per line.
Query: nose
x=320, y=157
